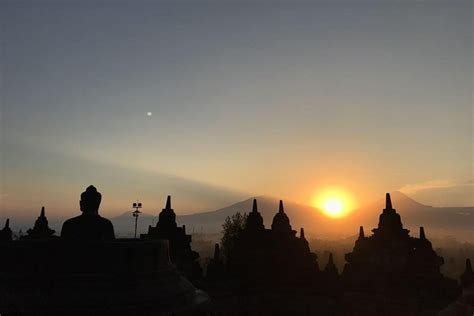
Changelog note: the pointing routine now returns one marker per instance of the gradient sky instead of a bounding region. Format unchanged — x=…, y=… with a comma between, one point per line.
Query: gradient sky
x=275, y=98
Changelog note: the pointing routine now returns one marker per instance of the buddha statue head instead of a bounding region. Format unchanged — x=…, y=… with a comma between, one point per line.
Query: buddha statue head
x=90, y=201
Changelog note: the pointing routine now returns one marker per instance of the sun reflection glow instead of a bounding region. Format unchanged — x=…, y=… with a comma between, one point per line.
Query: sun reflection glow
x=335, y=203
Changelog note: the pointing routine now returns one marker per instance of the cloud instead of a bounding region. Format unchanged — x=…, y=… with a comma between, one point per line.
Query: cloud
x=435, y=184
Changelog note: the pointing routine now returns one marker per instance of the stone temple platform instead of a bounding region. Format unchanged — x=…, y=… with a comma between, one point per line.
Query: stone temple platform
x=117, y=277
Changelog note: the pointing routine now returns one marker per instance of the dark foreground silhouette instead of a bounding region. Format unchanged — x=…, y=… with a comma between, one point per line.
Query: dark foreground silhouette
x=387, y=273
x=86, y=271
x=89, y=272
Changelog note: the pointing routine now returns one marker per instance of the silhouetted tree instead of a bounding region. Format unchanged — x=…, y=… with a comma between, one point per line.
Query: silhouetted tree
x=230, y=229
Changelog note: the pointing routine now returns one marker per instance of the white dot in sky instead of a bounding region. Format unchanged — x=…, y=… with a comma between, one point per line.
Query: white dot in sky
x=149, y=113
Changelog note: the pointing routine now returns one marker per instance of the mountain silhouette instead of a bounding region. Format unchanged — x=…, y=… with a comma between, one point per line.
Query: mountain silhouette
x=301, y=215
x=211, y=222
x=457, y=221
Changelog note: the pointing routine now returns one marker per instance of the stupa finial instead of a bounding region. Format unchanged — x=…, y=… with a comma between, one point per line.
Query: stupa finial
x=254, y=206
x=168, y=202
x=361, y=232
x=388, y=202
x=302, y=233
x=280, y=208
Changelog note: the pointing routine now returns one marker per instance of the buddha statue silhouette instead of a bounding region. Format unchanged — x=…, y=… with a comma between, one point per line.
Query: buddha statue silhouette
x=89, y=225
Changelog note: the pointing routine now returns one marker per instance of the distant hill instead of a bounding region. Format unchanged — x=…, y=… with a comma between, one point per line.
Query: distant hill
x=456, y=221
x=300, y=215
x=211, y=222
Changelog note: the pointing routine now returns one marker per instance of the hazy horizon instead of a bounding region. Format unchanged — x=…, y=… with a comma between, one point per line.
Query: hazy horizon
x=440, y=223
x=154, y=207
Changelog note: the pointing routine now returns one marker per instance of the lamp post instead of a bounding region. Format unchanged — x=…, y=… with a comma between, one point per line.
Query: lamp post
x=135, y=214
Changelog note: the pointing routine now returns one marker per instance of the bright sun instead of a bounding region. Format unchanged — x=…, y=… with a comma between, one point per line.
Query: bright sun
x=334, y=203
x=333, y=206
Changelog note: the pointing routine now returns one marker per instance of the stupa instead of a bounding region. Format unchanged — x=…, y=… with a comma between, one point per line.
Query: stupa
x=393, y=265
x=41, y=228
x=179, y=242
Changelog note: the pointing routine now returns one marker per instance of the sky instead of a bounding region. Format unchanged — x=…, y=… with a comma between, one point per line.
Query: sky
x=246, y=98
